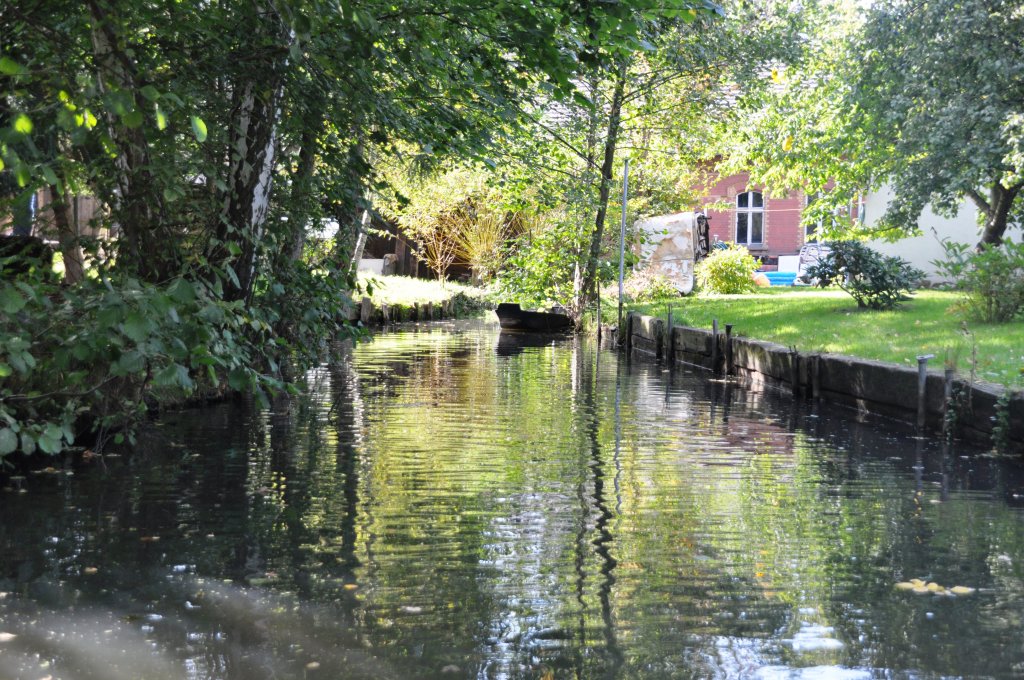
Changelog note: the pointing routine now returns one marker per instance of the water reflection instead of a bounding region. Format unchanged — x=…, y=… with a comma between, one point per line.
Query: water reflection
x=441, y=506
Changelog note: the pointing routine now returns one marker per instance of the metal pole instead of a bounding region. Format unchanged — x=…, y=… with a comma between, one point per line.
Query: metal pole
x=622, y=235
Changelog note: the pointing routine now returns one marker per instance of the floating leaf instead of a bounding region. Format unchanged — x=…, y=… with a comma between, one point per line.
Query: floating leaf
x=962, y=590
x=7, y=637
x=199, y=128
x=905, y=585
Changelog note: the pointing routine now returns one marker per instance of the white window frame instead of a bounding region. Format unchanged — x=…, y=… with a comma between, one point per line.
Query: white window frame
x=749, y=211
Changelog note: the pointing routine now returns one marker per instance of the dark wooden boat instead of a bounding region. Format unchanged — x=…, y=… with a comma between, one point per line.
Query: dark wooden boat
x=513, y=318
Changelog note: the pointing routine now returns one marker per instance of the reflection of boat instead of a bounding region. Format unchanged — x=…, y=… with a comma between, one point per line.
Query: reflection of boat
x=513, y=318
x=511, y=343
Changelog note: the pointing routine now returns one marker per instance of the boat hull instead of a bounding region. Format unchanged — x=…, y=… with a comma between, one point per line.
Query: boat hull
x=513, y=318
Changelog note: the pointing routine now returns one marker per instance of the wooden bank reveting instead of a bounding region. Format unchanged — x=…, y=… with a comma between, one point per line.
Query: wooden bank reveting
x=934, y=402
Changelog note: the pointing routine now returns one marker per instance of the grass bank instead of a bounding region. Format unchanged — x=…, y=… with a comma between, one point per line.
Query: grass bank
x=829, y=321
x=405, y=290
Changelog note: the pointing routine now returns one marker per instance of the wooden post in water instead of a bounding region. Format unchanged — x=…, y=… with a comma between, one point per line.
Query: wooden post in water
x=671, y=344
x=728, y=349
x=714, y=346
x=365, y=310
x=794, y=371
x=922, y=388
x=947, y=399
x=815, y=376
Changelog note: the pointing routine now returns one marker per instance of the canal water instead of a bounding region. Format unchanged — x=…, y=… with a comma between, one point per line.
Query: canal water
x=448, y=503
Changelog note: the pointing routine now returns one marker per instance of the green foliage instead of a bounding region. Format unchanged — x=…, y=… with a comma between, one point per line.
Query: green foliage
x=874, y=280
x=1001, y=422
x=479, y=242
x=867, y=102
x=727, y=271
x=646, y=286
x=89, y=358
x=991, y=279
x=538, y=271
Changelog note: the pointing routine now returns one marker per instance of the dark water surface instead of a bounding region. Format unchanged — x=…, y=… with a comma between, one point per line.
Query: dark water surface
x=444, y=504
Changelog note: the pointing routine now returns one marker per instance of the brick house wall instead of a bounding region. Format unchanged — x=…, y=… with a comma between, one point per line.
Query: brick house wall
x=782, y=235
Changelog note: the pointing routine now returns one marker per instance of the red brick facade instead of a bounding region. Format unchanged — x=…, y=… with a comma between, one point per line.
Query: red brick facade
x=782, y=233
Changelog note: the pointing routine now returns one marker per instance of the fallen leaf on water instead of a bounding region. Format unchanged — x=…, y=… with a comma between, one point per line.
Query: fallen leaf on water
x=7, y=637
x=90, y=570
x=313, y=665
x=350, y=586
x=905, y=585
x=961, y=590
x=149, y=539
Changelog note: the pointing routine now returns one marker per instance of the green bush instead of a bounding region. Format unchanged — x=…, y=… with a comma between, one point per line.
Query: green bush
x=645, y=285
x=727, y=270
x=89, y=358
x=874, y=280
x=991, y=280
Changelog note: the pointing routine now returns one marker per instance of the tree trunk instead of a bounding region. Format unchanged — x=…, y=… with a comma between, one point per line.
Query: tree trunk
x=137, y=205
x=67, y=236
x=996, y=211
x=610, y=142
x=253, y=150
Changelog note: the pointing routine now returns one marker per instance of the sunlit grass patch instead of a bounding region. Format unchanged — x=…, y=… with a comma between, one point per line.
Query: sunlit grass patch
x=814, y=320
x=405, y=290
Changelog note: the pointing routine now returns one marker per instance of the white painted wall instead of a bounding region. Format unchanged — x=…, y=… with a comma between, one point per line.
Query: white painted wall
x=922, y=250
x=373, y=266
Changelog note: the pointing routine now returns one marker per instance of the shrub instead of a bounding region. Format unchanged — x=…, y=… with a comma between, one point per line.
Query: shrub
x=991, y=280
x=727, y=270
x=645, y=285
x=872, y=279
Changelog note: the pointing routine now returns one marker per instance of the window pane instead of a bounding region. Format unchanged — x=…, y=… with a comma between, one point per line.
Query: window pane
x=741, y=227
x=756, y=227
x=758, y=200
x=741, y=200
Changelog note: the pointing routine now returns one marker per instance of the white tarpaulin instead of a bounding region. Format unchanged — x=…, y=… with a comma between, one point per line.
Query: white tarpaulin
x=668, y=247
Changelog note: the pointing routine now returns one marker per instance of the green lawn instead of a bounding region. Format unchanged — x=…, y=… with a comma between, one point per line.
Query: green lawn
x=405, y=290
x=829, y=321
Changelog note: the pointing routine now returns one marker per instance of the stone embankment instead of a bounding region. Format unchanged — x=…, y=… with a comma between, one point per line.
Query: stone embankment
x=935, y=402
